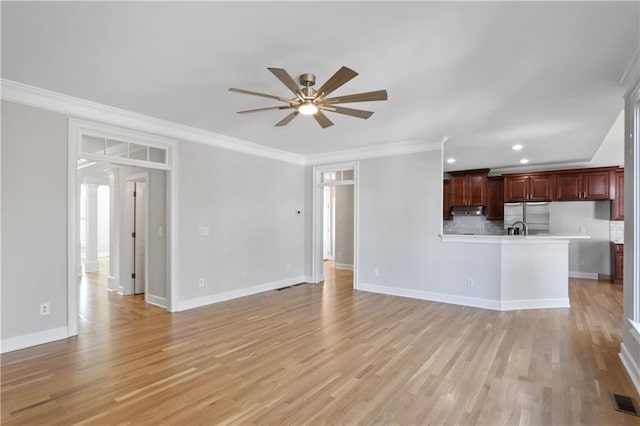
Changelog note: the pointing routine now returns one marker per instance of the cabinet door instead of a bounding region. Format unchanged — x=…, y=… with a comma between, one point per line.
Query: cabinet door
x=541, y=188
x=516, y=188
x=476, y=189
x=618, y=277
x=617, y=204
x=595, y=186
x=446, y=200
x=569, y=187
x=495, y=194
x=458, y=190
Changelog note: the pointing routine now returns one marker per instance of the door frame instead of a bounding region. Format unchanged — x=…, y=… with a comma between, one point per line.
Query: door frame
x=77, y=129
x=317, y=272
x=126, y=250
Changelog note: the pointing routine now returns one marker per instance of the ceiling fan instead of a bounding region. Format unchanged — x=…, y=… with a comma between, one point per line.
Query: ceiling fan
x=309, y=101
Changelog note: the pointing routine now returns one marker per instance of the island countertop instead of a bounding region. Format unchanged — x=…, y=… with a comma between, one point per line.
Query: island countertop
x=487, y=239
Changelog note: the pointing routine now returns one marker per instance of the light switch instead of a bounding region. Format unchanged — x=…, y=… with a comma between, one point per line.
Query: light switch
x=203, y=231
x=160, y=231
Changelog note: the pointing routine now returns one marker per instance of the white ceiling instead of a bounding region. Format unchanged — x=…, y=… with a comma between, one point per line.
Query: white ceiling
x=487, y=75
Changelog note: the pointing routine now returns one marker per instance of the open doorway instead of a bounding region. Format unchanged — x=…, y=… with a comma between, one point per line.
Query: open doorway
x=335, y=233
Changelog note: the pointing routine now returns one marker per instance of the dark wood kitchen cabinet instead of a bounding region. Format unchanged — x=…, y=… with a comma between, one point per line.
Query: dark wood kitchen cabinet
x=469, y=187
x=617, y=263
x=446, y=200
x=587, y=185
x=528, y=187
x=617, y=203
x=495, y=197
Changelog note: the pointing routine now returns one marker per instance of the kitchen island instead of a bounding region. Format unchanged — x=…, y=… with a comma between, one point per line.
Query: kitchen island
x=534, y=269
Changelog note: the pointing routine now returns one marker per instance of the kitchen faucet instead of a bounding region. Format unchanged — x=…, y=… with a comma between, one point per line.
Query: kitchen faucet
x=525, y=227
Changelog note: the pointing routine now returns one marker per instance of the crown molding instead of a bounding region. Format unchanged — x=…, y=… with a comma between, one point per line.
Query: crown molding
x=375, y=151
x=33, y=96
x=631, y=73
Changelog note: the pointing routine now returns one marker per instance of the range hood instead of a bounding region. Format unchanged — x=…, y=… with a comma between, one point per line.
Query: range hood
x=467, y=211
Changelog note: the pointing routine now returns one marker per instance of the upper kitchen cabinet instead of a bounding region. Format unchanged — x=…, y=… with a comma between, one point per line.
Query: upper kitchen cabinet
x=446, y=200
x=528, y=187
x=584, y=185
x=469, y=187
x=617, y=204
x=495, y=197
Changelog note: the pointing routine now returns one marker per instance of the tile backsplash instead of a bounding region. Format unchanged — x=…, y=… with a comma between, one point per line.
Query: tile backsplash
x=473, y=225
x=616, y=231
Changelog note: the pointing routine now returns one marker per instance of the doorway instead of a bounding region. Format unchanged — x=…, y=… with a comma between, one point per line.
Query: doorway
x=335, y=230
x=137, y=222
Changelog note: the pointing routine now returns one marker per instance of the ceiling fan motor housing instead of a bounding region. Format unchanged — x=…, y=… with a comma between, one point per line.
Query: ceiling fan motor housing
x=307, y=79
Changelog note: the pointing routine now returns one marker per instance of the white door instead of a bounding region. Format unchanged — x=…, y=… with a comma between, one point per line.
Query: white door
x=140, y=239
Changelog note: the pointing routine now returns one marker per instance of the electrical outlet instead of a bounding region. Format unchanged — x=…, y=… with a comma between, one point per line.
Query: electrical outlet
x=201, y=282
x=376, y=272
x=582, y=229
x=471, y=282
x=45, y=308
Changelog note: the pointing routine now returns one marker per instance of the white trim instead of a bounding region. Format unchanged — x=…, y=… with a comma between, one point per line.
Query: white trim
x=33, y=339
x=583, y=275
x=29, y=95
x=631, y=74
x=432, y=296
x=345, y=266
x=374, y=151
x=630, y=365
x=184, y=305
x=156, y=300
x=474, y=302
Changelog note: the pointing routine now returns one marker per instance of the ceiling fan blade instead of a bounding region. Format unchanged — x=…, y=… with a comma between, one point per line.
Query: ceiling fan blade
x=322, y=120
x=378, y=95
x=349, y=111
x=286, y=79
x=264, y=95
x=264, y=109
x=341, y=76
x=287, y=119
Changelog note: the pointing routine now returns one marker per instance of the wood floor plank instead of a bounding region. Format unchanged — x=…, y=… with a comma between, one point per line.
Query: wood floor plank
x=324, y=354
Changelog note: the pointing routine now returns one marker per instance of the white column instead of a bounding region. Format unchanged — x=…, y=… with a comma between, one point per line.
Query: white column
x=114, y=229
x=91, y=261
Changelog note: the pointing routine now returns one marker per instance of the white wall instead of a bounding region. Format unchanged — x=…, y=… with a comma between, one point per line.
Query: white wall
x=34, y=219
x=587, y=257
x=400, y=216
x=344, y=226
x=249, y=205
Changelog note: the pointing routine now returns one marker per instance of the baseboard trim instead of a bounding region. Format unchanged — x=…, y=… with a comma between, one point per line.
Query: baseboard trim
x=474, y=302
x=33, y=339
x=234, y=294
x=157, y=300
x=345, y=266
x=630, y=365
x=432, y=296
x=516, y=305
x=583, y=275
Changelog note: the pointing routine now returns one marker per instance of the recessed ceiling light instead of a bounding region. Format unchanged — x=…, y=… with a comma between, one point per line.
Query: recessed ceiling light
x=451, y=160
x=516, y=147
x=524, y=161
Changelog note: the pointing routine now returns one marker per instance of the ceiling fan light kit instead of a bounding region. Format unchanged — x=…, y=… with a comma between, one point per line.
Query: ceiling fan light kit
x=308, y=101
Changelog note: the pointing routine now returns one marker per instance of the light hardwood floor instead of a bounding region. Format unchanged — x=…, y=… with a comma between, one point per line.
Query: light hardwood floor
x=325, y=354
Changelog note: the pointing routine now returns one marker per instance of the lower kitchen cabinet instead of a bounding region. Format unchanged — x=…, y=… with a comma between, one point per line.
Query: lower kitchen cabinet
x=617, y=262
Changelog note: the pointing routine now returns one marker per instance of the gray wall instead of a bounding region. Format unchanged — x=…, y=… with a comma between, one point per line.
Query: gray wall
x=400, y=217
x=34, y=219
x=585, y=256
x=344, y=225
x=249, y=203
